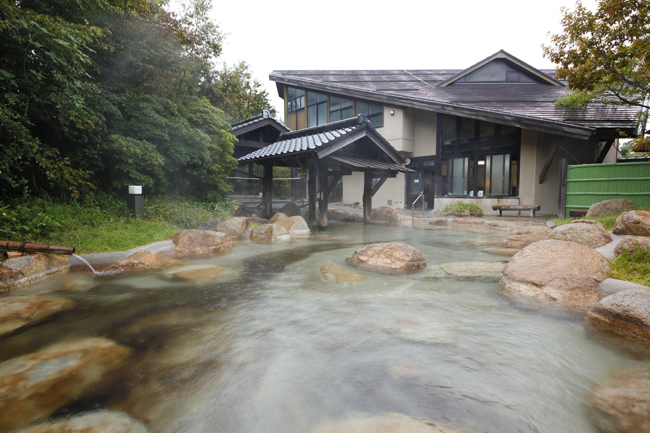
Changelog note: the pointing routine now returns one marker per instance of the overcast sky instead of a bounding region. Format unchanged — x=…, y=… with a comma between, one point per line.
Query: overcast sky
x=397, y=34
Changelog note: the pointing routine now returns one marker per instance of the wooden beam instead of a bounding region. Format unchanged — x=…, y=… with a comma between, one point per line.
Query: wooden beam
x=335, y=181
x=377, y=186
x=367, y=198
x=342, y=142
x=267, y=190
x=561, y=207
x=322, y=196
x=312, y=176
x=604, y=151
x=542, y=175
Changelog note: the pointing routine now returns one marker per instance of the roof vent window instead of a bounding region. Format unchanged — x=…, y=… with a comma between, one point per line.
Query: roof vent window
x=497, y=71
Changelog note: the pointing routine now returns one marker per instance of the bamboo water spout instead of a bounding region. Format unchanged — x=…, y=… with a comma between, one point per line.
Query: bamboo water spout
x=35, y=248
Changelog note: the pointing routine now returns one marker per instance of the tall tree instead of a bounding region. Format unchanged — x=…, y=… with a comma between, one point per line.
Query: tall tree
x=605, y=55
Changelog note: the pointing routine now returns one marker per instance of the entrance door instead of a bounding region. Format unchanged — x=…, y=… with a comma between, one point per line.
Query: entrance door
x=417, y=183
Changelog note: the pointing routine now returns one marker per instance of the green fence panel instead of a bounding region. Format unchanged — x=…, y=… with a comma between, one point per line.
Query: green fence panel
x=589, y=184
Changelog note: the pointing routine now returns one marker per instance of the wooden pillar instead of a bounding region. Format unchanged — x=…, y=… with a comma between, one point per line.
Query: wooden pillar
x=312, y=175
x=367, y=198
x=561, y=208
x=267, y=190
x=294, y=184
x=322, y=196
x=251, y=183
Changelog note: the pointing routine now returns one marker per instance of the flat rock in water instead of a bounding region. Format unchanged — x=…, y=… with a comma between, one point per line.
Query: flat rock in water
x=276, y=217
x=521, y=241
x=621, y=404
x=626, y=313
x=505, y=252
x=334, y=214
x=270, y=233
x=101, y=421
x=534, y=230
x=631, y=244
x=295, y=225
x=195, y=273
x=385, y=214
x=141, y=260
x=351, y=217
x=609, y=207
x=462, y=221
x=438, y=221
x=201, y=242
x=338, y=238
x=29, y=268
x=636, y=222
x=19, y=311
x=481, y=241
x=388, y=256
x=587, y=232
x=234, y=227
x=474, y=269
x=386, y=423
x=334, y=274
x=560, y=272
x=423, y=330
x=34, y=386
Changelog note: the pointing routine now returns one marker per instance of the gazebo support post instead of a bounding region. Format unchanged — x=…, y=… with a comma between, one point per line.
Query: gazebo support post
x=322, y=196
x=367, y=198
x=312, y=173
x=267, y=190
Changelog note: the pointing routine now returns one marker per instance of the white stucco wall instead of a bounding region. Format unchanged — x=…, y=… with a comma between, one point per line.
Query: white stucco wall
x=392, y=189
x=398, y=128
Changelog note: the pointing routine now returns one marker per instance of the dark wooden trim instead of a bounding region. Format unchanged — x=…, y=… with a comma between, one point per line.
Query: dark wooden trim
x=259, y=124
x=561, y=207
x=312, y=175
x=346, y=140
x=547, y=165
x=378, y=185
x=331, y=186
x=322, y=196
x=252, y=144
x=267, y=190
x=603, y=153
x=367, y=198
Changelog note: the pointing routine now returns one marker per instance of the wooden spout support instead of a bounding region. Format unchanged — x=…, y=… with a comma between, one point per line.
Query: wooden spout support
x=35, y=248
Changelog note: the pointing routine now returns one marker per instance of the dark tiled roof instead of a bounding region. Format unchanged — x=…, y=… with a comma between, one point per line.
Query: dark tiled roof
x=525, y=105
x=255, y=119
x=363, y=163
x=306, y=140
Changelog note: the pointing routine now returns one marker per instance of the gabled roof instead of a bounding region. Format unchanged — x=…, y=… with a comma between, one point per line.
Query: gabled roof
x=508, y=57
x=262, y=119
x=530, y=106
x=325, y=140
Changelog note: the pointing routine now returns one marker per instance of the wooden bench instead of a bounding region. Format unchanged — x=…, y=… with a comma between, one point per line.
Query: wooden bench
x=577, y=213
x=517, y=207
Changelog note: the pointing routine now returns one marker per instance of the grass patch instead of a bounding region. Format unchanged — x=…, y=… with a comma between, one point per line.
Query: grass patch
x=103, y=223
x=634, y=267
x=607, y=220
x=459, y=207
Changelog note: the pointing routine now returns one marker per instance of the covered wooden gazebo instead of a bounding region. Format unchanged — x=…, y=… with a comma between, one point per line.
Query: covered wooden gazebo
x=327, y=153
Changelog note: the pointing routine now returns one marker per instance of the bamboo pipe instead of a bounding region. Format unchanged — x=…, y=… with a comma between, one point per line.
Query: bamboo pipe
x=35, y=248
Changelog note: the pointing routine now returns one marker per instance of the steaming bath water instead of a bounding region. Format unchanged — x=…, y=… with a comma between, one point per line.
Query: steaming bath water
x=270, y=346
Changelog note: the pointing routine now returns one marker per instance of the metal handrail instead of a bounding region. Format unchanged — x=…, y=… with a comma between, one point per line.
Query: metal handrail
x=413, y=209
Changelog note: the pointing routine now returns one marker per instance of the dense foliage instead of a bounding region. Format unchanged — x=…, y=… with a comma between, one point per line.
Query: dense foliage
x=461, y=208
x=106, y=93
x=605, y=56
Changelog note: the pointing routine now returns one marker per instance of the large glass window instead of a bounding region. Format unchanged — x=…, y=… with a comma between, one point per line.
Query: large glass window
x=374, y=112
x=481, y=157
x=340, y=108
x=296, y=118
x=316, y=109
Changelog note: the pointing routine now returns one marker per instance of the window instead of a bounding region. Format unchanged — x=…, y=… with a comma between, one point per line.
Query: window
x=316, y=109
x=295, y=108
x=340, y=108
x=374, y=113
x=478, y=158
x=499, y=71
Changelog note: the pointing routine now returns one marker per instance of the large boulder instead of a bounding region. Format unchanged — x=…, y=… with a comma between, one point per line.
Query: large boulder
x=626, y=313
x=140, y=261
x=631, y=244
x=270, y=233
x=201, y=242
x=276, y=217
x=334, y=274
x=351, y=217
x=621, y=404
x=506, y=252
x=101, y=421
x=474, y=269
x=585, y=232
x=521, y=241
x=561, y=272
x=385, y=214
x=438, y=221
x=608, y=207
x=19, y=311
x=27, y=269
x=34, y=386
x=290, y=209
x=295, y=225
x=334, y=214
x=234, y=227
x=391, y=256
x=636, y=222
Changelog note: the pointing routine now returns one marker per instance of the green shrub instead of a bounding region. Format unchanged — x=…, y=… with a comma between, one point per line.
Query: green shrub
x=459, y=207
x=634, y=267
